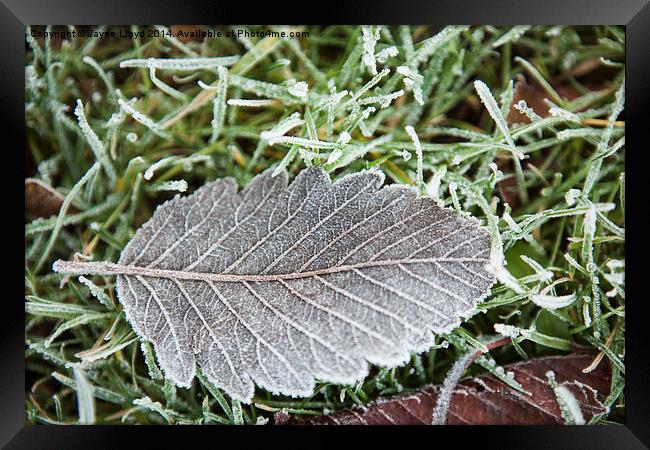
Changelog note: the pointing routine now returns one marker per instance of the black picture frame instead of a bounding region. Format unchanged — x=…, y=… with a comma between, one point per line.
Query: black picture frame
x=15, y=15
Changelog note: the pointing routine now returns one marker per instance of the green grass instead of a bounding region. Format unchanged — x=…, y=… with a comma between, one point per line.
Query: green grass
x=78, y=344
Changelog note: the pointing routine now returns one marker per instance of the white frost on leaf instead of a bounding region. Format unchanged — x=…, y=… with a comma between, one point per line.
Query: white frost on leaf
x=85, y=397
x=369, y=37
x=282, y=128
x=413, y=81
x=553, y=301
x=181, y=64
x=389, y=52
x=495, y=112
x=569, y=404
x=143, y=119
x=508, y=330
x=418, y=152
x=281, y=285
x=571, y=196
x=261, y=420
x=344, y=137
x=504, y=277
x=96, y=145
x=297, y=88
x=172, y=185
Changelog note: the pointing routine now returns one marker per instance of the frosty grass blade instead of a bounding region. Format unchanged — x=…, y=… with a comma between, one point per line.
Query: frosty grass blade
x=281, y=285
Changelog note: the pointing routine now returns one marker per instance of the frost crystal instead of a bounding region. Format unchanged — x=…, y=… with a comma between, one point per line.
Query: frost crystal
x=298, y=88
x=507, y=330
x=552, y=301
x=172, y=185
x=283, y=127
x=344, y=137
x=369, y=36
x=418, y=151
x=569, y=405
x=178, y=64
x=389, y=52
x=250, y=103
x=571, y=196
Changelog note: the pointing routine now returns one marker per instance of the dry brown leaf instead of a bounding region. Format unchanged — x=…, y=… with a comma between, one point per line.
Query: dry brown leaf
x=534, y=96
x=487, y=401
x=41, y=200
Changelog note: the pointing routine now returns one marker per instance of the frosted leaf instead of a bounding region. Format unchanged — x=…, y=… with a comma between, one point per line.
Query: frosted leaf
x=143, y=119
x=511, y=332
x=418, y=151
x=429, y=46
x=439, y=416
x=556, y=111
x=615, y=263
x=369, y=37
x=93, y=140
x=219, y=104
x=181, y=64
x=541, y=272
x=336, y=154
x=297, y=88
x=495, y=112
x=163, y=86
x=344, y=137
x=389, y=52
x=85, y=397
x=283, y=127
x=568, y=401
x=255, y=103
x=504, y=277
x=261, y=420
x=552, y=301
x=511, y=35
x=384, y=101
x=433, y=186
x=281, y=285
x=571, y=196
x=98, y=293
x=172, y=185
x=507, y=330
x=413, y=81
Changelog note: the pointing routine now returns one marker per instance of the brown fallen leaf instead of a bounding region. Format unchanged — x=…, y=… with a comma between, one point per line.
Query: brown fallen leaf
x=535, y=95
x=485, y=400
x=41, y=200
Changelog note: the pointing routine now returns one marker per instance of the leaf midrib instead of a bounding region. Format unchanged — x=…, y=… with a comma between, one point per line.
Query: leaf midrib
x=107, y=268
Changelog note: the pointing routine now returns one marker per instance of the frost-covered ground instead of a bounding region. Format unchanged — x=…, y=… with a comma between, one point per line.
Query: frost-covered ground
x=520, y=127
